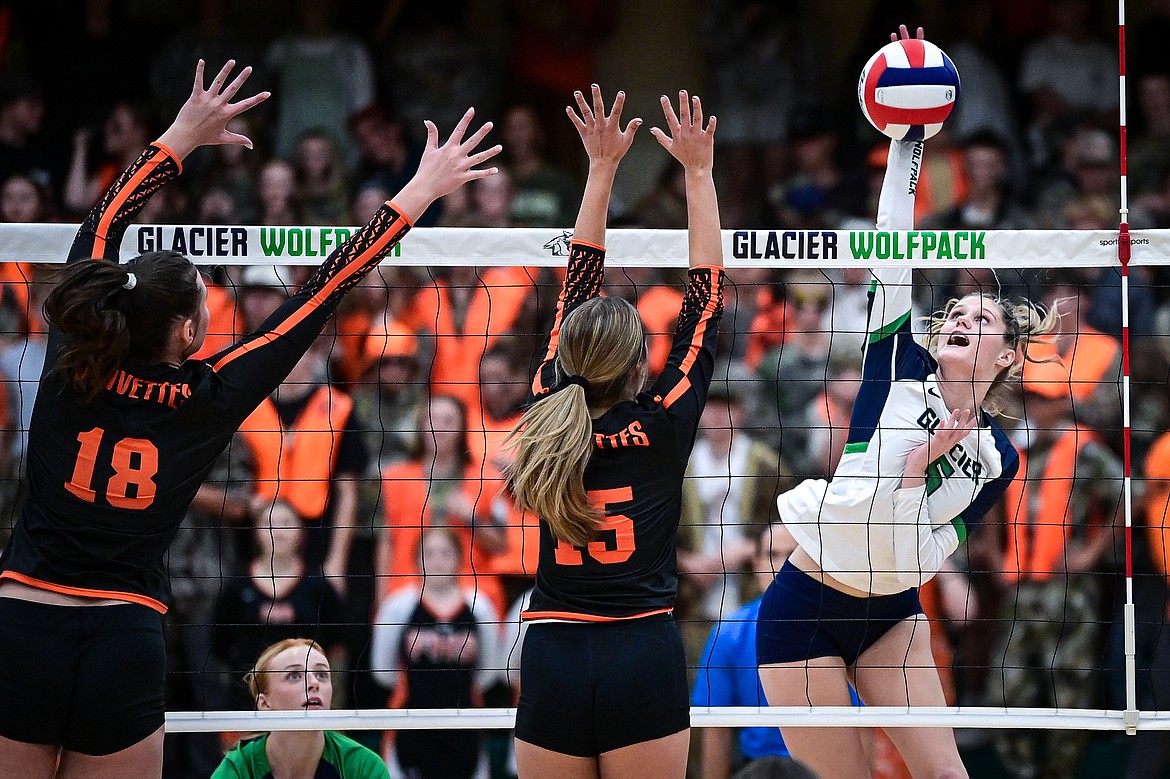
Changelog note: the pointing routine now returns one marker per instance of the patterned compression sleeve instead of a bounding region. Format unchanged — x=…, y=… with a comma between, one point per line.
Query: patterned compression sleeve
x=582, y=282
x=255, y=366
x=101, y=232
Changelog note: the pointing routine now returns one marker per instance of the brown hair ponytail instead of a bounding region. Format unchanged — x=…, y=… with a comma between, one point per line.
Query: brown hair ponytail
x=108, y=312
x=602, y=341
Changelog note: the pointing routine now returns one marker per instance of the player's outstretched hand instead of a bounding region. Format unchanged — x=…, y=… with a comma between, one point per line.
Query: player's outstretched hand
x=689, y=141
x=602, y=136
x=905, y=33
x=203, y=119
x=445, y=168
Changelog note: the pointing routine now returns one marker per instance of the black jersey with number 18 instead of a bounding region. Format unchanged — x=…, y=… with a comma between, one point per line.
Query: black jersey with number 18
x=109, y=480
x=635, y=472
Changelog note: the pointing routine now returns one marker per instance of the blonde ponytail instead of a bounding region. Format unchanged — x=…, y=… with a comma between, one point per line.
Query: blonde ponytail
x=601, y=344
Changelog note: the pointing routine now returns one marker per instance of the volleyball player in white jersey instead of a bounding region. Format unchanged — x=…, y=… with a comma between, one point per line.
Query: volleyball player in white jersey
x=924, y=461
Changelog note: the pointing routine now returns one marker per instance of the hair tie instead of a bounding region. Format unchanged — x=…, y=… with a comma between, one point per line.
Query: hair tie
x=131, y=281
x=580, y=381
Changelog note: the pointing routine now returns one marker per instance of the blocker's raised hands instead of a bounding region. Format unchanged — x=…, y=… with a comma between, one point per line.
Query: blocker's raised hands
x=688, y=141
x=602, y=136
x=203, y=119
x=444, y=168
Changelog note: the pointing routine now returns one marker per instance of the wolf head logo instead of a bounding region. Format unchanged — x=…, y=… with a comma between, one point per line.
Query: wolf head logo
x=559, y=246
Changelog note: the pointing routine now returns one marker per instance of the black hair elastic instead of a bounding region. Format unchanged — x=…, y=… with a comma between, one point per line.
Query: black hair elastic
x=580, y=381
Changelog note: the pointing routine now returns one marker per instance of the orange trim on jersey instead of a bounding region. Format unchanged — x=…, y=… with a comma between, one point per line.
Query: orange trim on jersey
x=693, y=350
x=170, y=153
x=405, y=216
x=679, y=390
x=528, y=616
x=587, y=243
x=84, y=592
x=103, y=225
x=554, y=339
x=297, y=316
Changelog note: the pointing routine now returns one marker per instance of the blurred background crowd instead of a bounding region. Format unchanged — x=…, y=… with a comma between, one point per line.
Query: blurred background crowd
x=376, y=466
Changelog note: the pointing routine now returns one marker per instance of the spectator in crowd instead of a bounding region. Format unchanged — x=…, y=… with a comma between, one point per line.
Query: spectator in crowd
x=1062, y=509
x=279, y=200
x=261, y=290
x=726, y=673
x=386, y=158
x=830, y=411
x=1092, y=358
x=1088, y=168
x=795, y=372
x=235, y=172
x=22, y=201
x=126, y=130
x=730, y=490
x=664, y=207
x=442, y=486
x=1066, y=74
x=657, y=303
x=435, y=646
x=321, y=76
x=819, y=193
x=202, y=558
x=990, y=203
x=464, y=311
x=294, y=674
x=503, y=388
x=759, y=61
x=491, y=204
x=391, y=395
x=987, y=105
x=1149, y=152
x=320, y=177
x=546, y=196
x=22, y=150
x=307, y=452
x=432, y=56
x=278, y=596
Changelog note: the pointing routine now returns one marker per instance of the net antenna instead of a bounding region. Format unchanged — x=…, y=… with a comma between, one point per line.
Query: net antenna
x=1123, y=255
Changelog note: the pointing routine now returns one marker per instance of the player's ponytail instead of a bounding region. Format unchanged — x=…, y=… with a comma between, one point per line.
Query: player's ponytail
x=602, y=343
x=108, y=312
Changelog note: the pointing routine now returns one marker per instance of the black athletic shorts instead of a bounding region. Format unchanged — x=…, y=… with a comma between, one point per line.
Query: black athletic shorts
x=87, y=678
x=587, y=689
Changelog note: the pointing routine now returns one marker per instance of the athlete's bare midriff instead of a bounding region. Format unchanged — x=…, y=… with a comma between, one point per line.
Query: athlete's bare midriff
x=22, y=591
x=803, y=560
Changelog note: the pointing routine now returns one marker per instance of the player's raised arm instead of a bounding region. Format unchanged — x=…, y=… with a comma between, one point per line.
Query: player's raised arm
x=202, y=121
x=260, y=362
x=606, y=143
x=693, y=144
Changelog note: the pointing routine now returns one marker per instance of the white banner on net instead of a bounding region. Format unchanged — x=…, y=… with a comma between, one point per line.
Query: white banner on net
x=219, y=244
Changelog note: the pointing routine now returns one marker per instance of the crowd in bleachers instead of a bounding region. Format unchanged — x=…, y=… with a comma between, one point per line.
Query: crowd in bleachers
x=378, y=461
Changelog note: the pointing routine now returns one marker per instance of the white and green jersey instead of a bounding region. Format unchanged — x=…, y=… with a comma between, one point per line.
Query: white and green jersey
x=862, y=527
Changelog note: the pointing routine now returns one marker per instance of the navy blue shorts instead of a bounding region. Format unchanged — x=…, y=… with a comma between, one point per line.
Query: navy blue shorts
x=87, y=678
x=587, y=689
x=801, y=619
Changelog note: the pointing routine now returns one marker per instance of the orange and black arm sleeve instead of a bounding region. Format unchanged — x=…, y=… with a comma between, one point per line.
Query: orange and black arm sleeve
x=251, y=369
x=582, y=282
x=683, y=383
x=101, y=232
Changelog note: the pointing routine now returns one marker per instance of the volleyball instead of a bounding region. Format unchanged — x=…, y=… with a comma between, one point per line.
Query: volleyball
x=908, y=89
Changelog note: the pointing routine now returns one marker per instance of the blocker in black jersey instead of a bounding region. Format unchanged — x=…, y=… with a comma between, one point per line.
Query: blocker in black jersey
x=110, y=479
x=640, y=453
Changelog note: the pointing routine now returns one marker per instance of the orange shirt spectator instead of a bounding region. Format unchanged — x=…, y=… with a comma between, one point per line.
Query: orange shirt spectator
x=467, y=313
x=443, y=487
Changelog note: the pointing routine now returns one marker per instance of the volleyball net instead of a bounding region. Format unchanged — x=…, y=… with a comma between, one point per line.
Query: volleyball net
x=457, y=317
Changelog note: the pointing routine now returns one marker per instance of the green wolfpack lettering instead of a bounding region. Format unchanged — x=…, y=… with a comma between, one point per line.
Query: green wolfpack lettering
x=306, y=241
x=918, y=245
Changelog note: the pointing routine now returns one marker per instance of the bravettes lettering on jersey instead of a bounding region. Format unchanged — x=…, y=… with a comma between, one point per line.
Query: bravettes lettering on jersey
x=110, y=480
x=635, y=472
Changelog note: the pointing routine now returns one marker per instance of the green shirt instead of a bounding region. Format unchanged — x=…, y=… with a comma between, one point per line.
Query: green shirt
x=342, y=758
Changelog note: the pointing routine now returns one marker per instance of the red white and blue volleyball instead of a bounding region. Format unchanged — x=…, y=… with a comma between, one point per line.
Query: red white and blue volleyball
x=908, y=89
